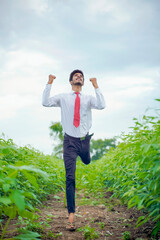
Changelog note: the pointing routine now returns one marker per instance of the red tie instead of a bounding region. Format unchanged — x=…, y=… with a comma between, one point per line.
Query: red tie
x=76, y=121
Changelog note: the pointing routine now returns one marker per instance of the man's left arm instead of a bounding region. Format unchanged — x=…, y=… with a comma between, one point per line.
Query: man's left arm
x=97, y=102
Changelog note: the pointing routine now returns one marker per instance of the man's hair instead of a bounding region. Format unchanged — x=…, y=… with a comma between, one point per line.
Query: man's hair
x=75, y=71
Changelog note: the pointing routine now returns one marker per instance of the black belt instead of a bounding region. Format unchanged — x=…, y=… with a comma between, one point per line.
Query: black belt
x=81, y=138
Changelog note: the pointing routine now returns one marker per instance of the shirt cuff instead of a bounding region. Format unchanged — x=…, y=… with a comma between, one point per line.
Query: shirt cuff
x=97, y=89
x=48, y=85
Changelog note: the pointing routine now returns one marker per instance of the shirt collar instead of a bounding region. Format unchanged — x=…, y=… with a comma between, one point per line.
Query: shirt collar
x=72, y=92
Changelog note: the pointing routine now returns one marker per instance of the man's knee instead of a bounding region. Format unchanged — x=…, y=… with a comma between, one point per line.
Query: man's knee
x=86, y=159
x=70, y=178
x=88, y=162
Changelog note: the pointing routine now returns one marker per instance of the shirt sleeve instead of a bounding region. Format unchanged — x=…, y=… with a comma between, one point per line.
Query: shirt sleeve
x=97, y=102
x=48, y=101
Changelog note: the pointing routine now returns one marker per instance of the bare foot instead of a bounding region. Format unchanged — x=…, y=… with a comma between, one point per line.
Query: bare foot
x=71, y=217
x=71, y=225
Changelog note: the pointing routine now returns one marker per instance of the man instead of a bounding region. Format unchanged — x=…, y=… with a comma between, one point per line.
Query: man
x=76, y=121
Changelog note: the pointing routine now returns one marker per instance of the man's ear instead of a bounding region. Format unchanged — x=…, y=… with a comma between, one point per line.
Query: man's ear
x=71, y=82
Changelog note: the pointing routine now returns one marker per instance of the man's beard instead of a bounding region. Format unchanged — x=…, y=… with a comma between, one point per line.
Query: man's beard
x=78, y=84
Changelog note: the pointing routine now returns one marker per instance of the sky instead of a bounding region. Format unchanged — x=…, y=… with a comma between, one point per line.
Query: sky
x=116, y=41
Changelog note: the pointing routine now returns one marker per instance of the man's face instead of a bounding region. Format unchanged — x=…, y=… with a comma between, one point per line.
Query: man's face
x=77, y=79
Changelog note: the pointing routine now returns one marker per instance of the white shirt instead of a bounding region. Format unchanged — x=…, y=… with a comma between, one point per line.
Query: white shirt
x=66, y=102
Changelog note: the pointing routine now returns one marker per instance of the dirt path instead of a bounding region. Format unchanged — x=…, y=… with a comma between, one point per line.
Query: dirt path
x=109, y=220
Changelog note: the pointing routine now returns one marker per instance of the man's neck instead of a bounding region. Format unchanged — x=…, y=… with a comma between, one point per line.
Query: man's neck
x=76, y=88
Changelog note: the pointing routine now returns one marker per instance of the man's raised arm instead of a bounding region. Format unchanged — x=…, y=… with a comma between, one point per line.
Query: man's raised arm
x=99, y=101
x=48, y=101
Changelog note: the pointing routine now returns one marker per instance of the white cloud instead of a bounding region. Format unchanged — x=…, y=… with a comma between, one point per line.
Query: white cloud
x=134, y=92
x=128, y=86
x=24, y=59
x=128, y=81
x=121, y=92
x=38, y=6
x=114, y=8
x=24, y=71
x=11, y=104
x=126, y=14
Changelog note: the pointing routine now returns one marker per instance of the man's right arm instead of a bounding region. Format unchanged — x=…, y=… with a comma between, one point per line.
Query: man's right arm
x=48, y=101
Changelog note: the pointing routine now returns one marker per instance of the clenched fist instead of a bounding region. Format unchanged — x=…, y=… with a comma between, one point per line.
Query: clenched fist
x=51, y=79
x=94, y=82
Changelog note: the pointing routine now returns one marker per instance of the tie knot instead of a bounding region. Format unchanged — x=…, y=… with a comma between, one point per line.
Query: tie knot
x=77, y=93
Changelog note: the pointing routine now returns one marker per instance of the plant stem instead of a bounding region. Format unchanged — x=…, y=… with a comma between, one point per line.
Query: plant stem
x=4, y=229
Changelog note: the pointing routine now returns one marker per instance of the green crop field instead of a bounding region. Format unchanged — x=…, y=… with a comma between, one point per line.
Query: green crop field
x=131, y=171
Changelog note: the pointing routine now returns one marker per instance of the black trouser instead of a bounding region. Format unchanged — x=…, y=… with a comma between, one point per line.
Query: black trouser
x=73, y=147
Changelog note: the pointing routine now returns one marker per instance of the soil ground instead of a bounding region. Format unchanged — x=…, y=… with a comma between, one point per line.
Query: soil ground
x=109, y=218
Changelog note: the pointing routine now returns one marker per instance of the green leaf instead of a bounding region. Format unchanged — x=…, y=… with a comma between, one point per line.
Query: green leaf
x=156, y=229
x=6, y=187
x=18, y=199
x=57, y=197
x=31, y=195
x=157, y=218
x=10, y=211
x=146, y=147
x=140, y=218
x=154, y=211
x=133, y=201
x=28, y=235
x=31, y=179
x=143, y=222
x=150, y=202
x=27, y=214
x=30, y=168
x=5, y=200
x=140, y=204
